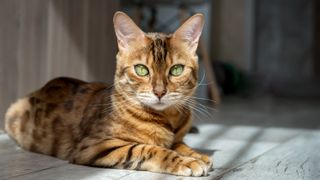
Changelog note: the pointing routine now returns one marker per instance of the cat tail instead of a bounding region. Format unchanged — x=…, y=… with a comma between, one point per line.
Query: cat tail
x=16, y=120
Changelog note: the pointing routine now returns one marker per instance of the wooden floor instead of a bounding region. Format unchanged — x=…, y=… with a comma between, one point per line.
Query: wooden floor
x=258, y=139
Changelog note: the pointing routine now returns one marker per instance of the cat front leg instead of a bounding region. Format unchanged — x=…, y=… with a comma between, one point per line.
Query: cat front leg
x=185, y=150
x=128, y=155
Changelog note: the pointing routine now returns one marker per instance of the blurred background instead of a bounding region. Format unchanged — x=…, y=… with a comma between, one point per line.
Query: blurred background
x=263, y=55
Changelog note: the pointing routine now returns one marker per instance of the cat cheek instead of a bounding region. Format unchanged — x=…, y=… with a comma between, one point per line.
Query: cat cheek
x=129, y=80
x=123, y=81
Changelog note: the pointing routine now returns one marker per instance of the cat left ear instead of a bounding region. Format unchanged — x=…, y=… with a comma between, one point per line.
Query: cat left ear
x=189, y=32
x=126, y=31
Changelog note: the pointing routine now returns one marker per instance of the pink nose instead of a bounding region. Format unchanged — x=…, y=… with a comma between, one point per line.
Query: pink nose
x=160, y=93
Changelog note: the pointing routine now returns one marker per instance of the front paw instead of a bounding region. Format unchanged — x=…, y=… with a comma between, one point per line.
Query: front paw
x=206, y=159
x=191, y=167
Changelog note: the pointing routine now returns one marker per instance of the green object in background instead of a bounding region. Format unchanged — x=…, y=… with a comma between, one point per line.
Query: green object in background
x=230, y=79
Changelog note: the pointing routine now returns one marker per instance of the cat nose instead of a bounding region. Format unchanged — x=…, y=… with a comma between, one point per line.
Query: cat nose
x=160, y=93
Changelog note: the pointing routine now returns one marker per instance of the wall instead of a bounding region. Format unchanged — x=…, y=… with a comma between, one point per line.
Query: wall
x=275, y=42
x=316, y=41
x=231, y=31
x=284, y=40
x=43, y=39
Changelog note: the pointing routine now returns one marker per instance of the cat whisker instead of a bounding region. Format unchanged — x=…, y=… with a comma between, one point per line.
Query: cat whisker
x=192, y=106
x=206, y=84
x=181, y=107
x=206, y=107
x=202, y=109
x=205, y=99
x=203, y=106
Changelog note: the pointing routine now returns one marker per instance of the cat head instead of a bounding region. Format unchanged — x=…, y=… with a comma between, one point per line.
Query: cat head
x=154, y=69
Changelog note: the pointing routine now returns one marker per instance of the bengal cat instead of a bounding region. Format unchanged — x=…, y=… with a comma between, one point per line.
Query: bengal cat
x=138, y=123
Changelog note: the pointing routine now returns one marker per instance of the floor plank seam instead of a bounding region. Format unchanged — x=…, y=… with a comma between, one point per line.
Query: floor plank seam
x=126, y=175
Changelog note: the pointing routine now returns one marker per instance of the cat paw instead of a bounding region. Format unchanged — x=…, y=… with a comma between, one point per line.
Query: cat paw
x=206, y=159
x=191, y=167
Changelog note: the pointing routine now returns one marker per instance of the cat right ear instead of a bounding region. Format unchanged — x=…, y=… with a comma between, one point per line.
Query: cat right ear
x=189, y=32
x=126, y=31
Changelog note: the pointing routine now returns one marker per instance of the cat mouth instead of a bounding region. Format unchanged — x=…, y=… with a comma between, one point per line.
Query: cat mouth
x=159, y=105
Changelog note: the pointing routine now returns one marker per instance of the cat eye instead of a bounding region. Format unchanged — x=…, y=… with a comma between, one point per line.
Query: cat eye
x=176, y=70
x=141, y=70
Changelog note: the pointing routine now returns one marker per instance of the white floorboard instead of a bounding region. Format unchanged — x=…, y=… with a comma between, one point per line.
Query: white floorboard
x=296, y=159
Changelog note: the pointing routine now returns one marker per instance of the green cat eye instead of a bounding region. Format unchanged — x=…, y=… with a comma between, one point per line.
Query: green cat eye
x=177, y=70
x=141, y=70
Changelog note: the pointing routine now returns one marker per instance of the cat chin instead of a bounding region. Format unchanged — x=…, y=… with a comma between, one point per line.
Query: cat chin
x=159, y=107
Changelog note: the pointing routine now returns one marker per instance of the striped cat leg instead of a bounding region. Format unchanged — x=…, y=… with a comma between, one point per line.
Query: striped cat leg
x=127, y=155
x=185, y=150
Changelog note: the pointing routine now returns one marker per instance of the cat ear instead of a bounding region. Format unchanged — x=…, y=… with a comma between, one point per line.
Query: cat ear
x=126, y=30
x=189, y=32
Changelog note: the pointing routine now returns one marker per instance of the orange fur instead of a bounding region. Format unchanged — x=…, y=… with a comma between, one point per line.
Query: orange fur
x=128, y=125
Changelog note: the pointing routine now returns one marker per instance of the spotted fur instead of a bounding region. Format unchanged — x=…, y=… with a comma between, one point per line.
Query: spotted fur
x=112, y=126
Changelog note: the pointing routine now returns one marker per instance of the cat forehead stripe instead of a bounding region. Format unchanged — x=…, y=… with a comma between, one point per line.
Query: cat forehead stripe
x=159, y=50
